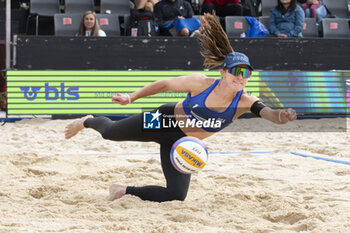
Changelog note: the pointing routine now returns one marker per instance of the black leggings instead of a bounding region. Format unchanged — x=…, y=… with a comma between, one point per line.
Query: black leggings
x=131, y=129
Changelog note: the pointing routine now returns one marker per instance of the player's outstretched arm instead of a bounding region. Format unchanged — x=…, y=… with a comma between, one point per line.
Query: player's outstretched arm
x=179, y=84
x=278, y=116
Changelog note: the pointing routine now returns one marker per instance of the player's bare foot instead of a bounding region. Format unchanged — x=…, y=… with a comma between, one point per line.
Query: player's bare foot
x=116, y=191
x=74, y=127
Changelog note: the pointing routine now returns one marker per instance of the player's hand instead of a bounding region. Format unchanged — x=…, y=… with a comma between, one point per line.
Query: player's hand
x=121, y=99
x=282, y=35
x=288, y=115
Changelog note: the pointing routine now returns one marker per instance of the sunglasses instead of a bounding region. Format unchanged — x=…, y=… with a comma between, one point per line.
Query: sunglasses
x=236, y=71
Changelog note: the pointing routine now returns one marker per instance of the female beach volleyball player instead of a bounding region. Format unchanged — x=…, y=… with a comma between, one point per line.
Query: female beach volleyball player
x=216, y=100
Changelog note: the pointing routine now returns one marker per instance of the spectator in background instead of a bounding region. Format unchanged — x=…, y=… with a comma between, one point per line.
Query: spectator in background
x=250, y=7
x=286, y=19
x=223, y=7
x=89, y=26
x=174, y=17
x=314, y=9
x=147, y=5
x=196, y=6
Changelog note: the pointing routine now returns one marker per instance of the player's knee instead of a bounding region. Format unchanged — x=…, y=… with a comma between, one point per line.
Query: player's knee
x=105, y=134
x=149, y=6
x=178, y=195
x=184, y=32
x=181, y=197
x=109, y=133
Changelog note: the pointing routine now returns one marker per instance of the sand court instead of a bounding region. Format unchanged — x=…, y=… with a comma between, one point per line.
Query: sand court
x=252, y=183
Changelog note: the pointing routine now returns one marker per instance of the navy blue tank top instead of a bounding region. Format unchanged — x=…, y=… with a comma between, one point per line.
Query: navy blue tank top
x=195, y=109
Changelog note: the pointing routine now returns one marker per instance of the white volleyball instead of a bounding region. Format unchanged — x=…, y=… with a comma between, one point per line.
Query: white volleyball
x=188, y=155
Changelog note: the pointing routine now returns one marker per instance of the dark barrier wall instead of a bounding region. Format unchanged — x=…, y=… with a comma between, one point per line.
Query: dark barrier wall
x=2, y=62
x=164, y=53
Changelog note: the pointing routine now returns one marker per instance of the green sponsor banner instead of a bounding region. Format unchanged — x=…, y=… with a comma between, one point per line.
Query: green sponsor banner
x=90, y=92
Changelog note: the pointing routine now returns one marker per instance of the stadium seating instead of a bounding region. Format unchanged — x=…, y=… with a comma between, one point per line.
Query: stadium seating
x=125, y=24
x=67, y=24
x=310, y=28
x=267, y=6
x=119, y=7
x=235, y=25
x=78, y=6
x=200, y=16
x=109, y=23
x=338, y=8
x=335, y=28
x=265, y=20
x=43, y=8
